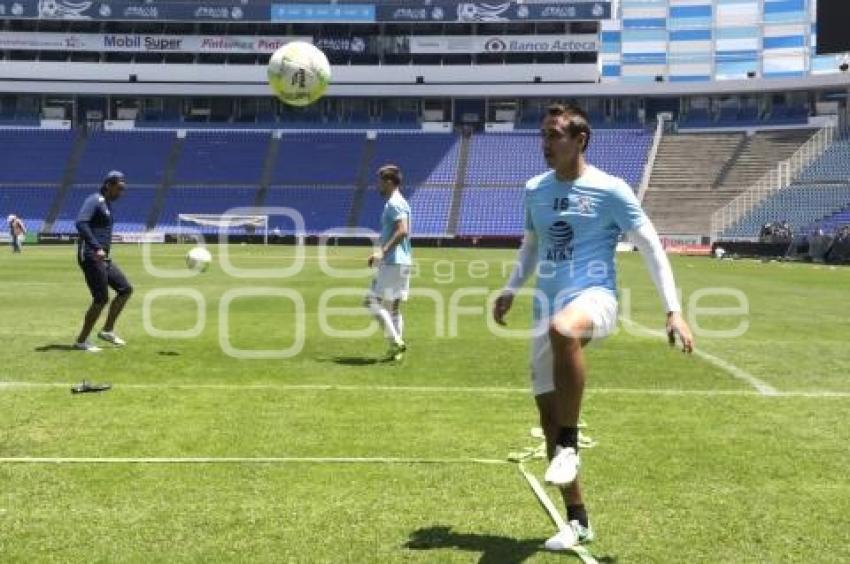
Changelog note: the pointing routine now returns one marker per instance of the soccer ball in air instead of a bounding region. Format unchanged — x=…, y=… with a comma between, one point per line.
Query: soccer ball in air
x=198, y=258
x=299, y=73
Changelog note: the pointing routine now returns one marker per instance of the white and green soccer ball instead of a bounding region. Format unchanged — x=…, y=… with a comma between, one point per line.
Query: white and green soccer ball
x=299, y=73
x=198, y=258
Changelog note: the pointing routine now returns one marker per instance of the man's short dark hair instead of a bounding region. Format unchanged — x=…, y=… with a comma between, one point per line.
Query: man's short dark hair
x=112, y=177
x=577, y=120
x=390, y=172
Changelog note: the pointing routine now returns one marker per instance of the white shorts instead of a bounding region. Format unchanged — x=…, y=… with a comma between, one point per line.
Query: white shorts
x=391, y=282
x=600, y=306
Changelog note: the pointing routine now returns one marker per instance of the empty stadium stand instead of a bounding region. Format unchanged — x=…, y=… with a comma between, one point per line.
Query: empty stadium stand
x=140, y=155
x=802, y=205
x=696, y=173
x=470, y=186
x=816, y=199
x=34, y=156
x=831, y=223
x=215, y=157
x=30, y=203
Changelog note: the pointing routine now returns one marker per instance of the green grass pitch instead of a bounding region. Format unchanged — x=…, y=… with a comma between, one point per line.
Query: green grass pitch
x=693, y=464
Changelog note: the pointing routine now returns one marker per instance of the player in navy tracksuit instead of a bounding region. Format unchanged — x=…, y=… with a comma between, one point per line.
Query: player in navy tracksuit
x=94, y=225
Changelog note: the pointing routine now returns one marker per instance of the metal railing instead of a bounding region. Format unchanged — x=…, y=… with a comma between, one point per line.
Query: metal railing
x=781, y=177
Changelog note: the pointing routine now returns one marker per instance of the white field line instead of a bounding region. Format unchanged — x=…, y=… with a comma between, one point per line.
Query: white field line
x=330, y=258
x=11, y=385
x=761, y=386
x=244, y=460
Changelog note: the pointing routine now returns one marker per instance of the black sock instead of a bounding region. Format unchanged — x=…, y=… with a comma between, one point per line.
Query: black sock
x=568, y=437
x=577, y=513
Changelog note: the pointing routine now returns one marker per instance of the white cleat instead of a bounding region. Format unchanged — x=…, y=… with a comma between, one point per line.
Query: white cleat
x=564, y=539
x=570, y=537
x=563, y=469
x=87, y=346
x=111, y=337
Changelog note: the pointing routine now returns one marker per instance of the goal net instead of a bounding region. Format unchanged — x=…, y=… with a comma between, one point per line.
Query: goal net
x=228, y=224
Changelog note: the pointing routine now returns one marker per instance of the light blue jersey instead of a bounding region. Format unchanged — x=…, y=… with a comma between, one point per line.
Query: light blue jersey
x=577, y=224
x=396, y=208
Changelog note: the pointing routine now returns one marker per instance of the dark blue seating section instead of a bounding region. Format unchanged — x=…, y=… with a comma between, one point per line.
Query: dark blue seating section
x=30, y=203
x=215, y=157
x=512, y=158
x=429, y=210
x=734, y=116
x=492, y=211
x=832, y=223
x=202, y=200
x=822, y=189
x=320, y=208
x=832, y=166
x=315, y=172
x=800, y=204
x=34, y=156
x=429, y=159
x=131, y=210
x=319, y=158
x=140, y=155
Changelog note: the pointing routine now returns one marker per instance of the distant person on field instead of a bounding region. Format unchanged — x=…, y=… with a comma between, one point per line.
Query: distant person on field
x=574, y=215
x=17, y=232
x=94, y=225
x=391, y=283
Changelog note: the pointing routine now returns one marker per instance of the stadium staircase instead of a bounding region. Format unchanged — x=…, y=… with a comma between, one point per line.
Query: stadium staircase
x=167, y=180
x=742, y=146
x=759, y=154
x=67, y=179
x=269, y=163
x=362, y=183
x=457, y=190
x=680, y=198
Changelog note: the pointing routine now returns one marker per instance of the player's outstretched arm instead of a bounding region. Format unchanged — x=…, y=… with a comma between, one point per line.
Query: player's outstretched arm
x=526, y=262
x=646, y=240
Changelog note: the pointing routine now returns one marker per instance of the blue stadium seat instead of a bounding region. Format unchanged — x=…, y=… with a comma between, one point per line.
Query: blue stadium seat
x=30, y=203
x=216, y=157
x=424, y=158
x=203, y=200
x=131, y=210
x=492, y=211
x=321, y=208
x=34, y=156
x=141, y=155
x=429, y=210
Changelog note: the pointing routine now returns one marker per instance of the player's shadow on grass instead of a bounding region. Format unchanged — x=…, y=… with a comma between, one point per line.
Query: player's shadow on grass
x=55, y=347
x=356, y=360
x=494, y=549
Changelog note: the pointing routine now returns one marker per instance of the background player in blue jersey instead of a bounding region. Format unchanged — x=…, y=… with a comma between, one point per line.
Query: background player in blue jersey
x=94, y=225
x=574, y=215
x=391, y=283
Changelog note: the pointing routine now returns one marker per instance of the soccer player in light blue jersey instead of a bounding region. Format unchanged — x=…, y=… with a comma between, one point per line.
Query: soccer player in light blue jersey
x=391, y=283
x=574, y=215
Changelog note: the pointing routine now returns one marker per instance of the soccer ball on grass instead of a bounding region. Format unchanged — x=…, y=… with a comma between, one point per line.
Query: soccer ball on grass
x=198, y=258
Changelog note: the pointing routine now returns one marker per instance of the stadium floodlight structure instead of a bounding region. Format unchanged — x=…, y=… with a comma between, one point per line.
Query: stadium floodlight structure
x=253, y=224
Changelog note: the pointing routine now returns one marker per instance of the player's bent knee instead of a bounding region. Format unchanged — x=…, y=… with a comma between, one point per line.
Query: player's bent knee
x=564, y=332
x=126, y=291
